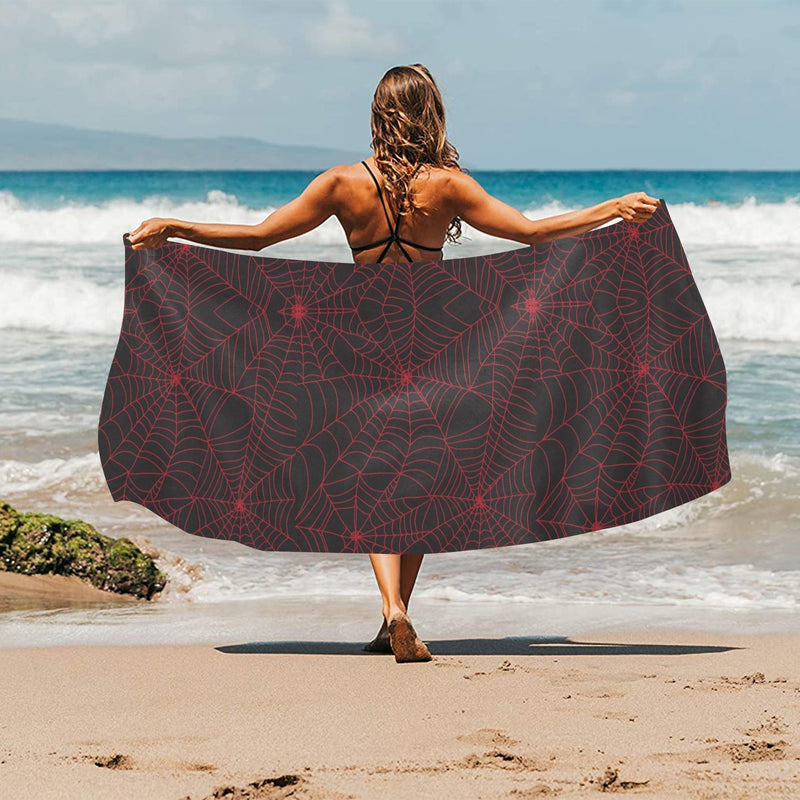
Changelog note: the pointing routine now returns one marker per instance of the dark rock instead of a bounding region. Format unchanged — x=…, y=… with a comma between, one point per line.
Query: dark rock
x=32, y=543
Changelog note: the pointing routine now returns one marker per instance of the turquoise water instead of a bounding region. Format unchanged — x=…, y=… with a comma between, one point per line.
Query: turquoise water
x=518, y=188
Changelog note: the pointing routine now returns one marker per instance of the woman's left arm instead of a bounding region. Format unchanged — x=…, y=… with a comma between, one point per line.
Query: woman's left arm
x=304, y=213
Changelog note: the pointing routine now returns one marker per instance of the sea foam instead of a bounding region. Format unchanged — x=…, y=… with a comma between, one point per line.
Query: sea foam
x=749, y=223
x=744, y=257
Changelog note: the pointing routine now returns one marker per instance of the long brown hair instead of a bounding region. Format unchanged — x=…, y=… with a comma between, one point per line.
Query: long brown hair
x=408, y=131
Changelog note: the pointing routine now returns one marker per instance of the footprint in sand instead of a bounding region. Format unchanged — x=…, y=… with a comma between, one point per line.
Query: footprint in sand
x=773, y=725
x=117, y=761
x=452, y=663
x=264, y=789
x=534, y=792
x=505, y=667
x=757, y=750
x=611, y=782
x=282, y=787
x=502, y=759
x=488, y=737
x=197, y=766
x=122, y=761
x=726, y=683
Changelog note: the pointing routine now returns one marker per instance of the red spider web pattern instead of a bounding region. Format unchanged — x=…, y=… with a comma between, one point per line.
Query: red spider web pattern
x=417, y=407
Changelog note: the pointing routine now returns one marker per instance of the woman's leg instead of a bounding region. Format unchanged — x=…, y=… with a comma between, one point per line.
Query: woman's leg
x=396, y=576
x=409, y=569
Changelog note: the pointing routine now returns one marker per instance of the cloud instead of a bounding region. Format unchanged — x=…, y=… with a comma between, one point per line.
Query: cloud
x=621, y=97
x=673, y=67
x=109, y=64
x=343, y=34
x=723, y=46
x=95, y=22
x=144, y=35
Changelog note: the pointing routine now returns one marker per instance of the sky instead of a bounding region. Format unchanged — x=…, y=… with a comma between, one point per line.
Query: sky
x=532, y=84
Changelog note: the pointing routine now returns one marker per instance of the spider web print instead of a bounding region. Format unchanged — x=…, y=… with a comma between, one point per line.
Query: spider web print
x=419, y=407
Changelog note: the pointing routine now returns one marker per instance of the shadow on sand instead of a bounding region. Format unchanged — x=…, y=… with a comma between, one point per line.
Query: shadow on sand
x=507, y=646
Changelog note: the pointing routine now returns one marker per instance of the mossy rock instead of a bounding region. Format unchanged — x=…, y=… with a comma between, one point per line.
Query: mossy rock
x=34, y=543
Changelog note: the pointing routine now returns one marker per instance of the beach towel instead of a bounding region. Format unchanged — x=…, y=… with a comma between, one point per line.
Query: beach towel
x=427, y=407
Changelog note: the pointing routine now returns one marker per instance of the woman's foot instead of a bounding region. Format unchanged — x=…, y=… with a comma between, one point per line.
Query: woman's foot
x=405, y=643
x=381, y=643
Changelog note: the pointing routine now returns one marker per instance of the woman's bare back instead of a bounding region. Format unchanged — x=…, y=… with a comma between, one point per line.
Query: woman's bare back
x=364, y=221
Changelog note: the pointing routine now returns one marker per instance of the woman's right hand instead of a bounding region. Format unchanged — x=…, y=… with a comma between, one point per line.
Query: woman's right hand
x=151, y=233
x=637, y=206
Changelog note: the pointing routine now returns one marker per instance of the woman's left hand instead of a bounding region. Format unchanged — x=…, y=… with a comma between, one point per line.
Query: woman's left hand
x=152, y=233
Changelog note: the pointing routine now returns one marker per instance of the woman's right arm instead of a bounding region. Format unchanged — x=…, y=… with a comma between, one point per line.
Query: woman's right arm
x=488, y=214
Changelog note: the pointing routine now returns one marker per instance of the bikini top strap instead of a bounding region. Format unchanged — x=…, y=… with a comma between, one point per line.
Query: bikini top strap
x=392, y=228
x=380, y=196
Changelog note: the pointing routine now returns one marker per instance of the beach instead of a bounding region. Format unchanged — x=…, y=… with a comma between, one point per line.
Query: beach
x=653, y=712
x=657, y=659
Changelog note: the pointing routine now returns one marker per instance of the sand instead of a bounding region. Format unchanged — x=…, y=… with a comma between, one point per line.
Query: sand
x=18, y=592
x=661, y=714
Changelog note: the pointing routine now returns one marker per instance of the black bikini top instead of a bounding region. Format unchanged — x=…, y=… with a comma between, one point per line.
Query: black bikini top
x=393, y=237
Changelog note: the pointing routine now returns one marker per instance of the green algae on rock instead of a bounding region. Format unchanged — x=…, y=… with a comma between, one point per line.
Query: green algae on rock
x=32, y=543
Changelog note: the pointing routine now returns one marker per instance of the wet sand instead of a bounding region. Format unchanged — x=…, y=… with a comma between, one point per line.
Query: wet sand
x=19, y=592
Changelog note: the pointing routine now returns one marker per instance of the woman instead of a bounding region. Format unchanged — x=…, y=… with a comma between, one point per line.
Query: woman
x=422, y=189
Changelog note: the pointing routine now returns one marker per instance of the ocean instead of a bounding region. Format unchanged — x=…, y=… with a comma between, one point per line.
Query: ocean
x=729, y=560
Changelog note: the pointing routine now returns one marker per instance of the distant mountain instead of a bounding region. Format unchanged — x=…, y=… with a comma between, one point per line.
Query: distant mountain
x=36, y=146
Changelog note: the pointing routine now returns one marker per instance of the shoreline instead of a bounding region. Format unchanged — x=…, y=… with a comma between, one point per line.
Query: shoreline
x=48, y=611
